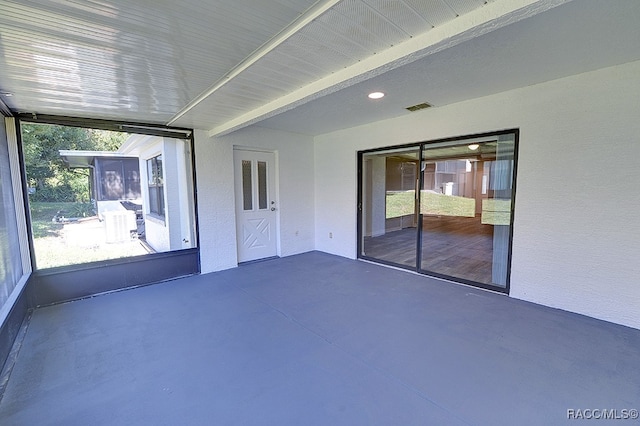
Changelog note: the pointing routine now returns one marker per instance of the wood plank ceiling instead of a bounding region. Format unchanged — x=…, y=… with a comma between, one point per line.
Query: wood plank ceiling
x=218, y=65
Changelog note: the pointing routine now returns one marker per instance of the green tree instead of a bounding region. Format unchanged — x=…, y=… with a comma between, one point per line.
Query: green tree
x=105, y=140
x=47, y=173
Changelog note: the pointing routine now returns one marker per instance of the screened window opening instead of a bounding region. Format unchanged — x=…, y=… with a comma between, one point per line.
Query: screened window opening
x=99, y=194
x=441, y=208
x=118, y=179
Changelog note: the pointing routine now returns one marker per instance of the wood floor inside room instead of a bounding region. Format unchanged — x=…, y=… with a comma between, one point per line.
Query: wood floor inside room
x=456, y=246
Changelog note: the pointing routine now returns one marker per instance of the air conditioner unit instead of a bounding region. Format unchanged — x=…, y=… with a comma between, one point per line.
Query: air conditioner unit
x=118, y=225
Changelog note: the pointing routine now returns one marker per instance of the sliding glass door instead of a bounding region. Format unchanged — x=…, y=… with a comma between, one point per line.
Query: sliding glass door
x=465, y=209
x=389, y=206
x=443, y=208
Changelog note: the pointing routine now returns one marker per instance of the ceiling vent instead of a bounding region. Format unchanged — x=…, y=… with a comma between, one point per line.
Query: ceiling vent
x=419, y=107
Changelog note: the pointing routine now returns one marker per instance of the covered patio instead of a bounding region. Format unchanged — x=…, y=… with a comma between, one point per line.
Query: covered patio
x=265, y=116
x=316, y=339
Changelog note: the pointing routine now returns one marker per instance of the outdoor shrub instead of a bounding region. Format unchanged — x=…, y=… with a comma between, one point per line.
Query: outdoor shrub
x=82, y=210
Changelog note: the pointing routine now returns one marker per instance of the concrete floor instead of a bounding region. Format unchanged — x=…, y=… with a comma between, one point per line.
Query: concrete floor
x=316, y=339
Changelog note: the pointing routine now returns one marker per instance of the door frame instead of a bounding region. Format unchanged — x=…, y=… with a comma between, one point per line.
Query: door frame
x=363, y=199
x=421, y=146
x=276, y=171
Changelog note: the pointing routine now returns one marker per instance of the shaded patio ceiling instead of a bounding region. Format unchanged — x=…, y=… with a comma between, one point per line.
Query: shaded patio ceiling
x=296, y=65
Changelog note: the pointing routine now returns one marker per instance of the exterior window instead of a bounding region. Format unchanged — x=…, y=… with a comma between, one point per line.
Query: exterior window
x=156, y=185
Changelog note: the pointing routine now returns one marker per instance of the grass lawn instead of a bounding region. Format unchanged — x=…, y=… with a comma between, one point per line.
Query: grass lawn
x=403, y=203
x=53, y=251
x=46, y=210
x=42, y=215
x=58, y=244
x=447, y=205
x=400, y=204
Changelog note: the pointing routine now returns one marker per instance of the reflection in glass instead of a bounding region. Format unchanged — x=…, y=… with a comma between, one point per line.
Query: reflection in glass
x=247, y=199
x=389, y=213
x=462, y=207
x=262, y=185
x=155, y=185
x=466, y=209
x=10, y=253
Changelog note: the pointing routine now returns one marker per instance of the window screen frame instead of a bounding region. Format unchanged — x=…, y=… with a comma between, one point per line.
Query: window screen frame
x=52, y=285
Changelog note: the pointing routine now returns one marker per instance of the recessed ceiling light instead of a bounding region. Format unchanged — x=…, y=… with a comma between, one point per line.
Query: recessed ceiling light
x=376, y=95
x=473, y=146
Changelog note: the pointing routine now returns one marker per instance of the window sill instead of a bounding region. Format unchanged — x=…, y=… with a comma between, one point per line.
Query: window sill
x=152, y=217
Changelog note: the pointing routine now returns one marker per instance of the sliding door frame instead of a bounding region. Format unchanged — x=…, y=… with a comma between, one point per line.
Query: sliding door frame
x=421, y=146
x=359, y=209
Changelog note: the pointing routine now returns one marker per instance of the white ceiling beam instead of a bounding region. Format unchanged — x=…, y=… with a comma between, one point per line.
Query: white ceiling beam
x=483, y=20
x=313, y=13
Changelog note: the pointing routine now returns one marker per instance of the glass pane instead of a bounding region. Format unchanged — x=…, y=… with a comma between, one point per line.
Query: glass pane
x=150, y=172
x=389, y=214
x=10, y=259
x=247, y=185
x=158, y=171
x=111, y=179
x=132, y=179
x=160, y=190
x=262, y=185
x=466, y=209
x=156, y=190
x=153, y=200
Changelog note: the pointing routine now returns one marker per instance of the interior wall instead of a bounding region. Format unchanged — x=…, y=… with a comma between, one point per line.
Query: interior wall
x=156, y=229
x=575, y=243
x=215, y=186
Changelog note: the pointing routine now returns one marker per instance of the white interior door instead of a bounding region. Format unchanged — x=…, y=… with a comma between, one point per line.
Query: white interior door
x=256, y=204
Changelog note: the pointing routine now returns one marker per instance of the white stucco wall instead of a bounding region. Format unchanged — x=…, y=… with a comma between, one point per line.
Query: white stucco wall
x=576, y=234
x=215, y=186
x=156, y=229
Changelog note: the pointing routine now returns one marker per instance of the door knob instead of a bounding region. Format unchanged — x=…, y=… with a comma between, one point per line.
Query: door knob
x=273, y=209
